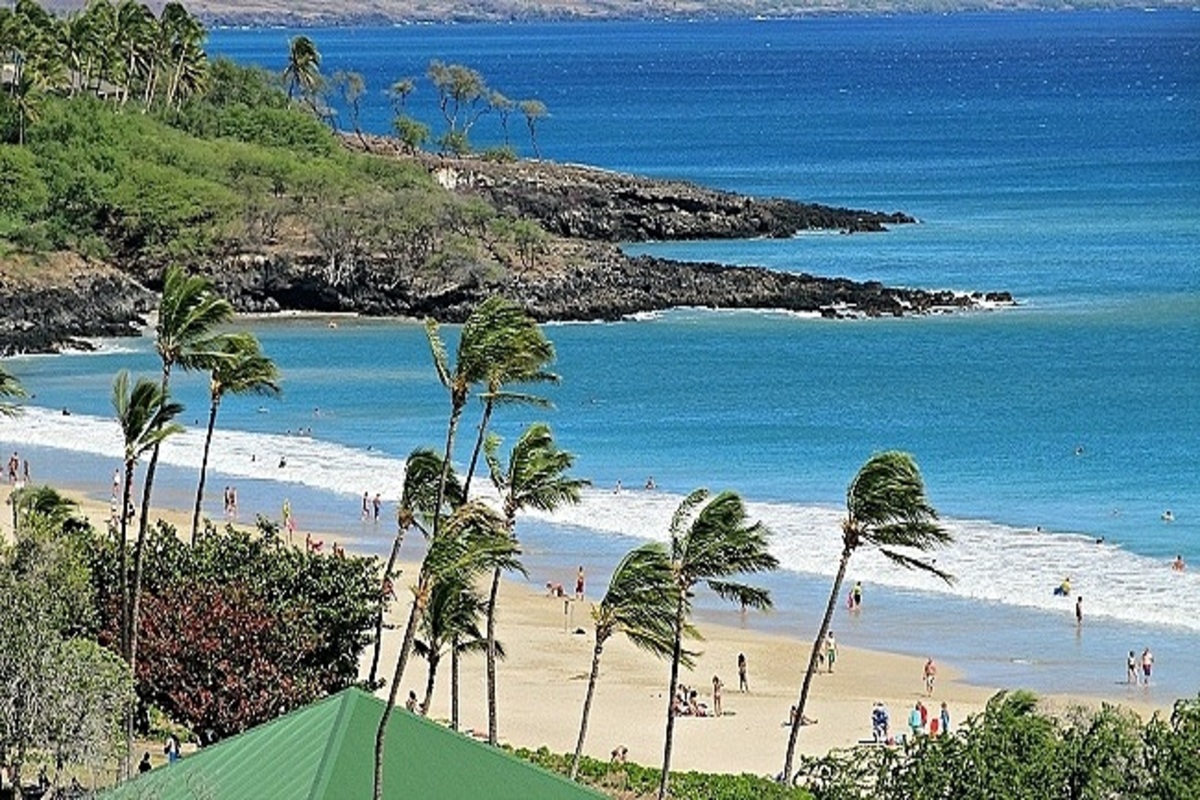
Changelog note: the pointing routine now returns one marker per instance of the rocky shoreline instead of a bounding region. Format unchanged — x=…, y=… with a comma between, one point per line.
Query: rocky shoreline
x=588, y=277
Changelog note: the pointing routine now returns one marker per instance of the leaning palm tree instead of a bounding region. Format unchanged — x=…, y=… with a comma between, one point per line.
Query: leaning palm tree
x=886, y=508
x=451, y=623
x=640, y=602
x=303, y=70
x=239, y=368
x=710, y=547
x=536, y=477
x=10, y=387
x=144, y=413
x=188, y=311
x=422, y=472
x=472, y=541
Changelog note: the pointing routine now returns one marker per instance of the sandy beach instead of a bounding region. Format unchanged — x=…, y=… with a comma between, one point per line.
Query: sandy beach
x=549, y=642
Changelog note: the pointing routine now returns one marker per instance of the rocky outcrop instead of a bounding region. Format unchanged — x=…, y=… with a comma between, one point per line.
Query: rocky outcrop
x=60, y=305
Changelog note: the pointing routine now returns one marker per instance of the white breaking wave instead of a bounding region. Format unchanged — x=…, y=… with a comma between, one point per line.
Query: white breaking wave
x=990, y=562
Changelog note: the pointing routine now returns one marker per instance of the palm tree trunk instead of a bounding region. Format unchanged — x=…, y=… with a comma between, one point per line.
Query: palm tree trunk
x=669, y=739
x=212, y=420
x=812, y=663
x=455, y=412
x=587, y=704
x=410, y=632
x=483, y=424
x=434, y=660
x=491, y=656
x=387, y=576
x=454, y=683
x=125, y=493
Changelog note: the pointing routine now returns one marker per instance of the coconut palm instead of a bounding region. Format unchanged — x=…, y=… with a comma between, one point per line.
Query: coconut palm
x=451, y=622
x=640, y=602
x=534, y=478
x=422, y=473
x=473, y=540
x=710, y=547
x=9, y=387
x=133, y=33
x=303, y=70
x=182, y=34
x=188, y=311
x=886, y=508
x=239, y=368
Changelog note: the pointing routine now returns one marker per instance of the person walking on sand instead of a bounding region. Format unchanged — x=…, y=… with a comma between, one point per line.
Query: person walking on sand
x=579, y=583
x=945, y=718
x=930, y=673
x=743, y=683
x=1131, y=677
x=830, y=651
x=1147, y=666
x=716, y=696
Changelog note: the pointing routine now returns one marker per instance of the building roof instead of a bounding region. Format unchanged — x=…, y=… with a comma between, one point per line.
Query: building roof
x=326, y=750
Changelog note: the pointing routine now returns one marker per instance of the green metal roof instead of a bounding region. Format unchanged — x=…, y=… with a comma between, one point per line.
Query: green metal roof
x=326, y=751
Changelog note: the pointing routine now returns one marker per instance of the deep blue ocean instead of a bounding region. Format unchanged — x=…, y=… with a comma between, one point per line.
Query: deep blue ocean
x=1056, y=156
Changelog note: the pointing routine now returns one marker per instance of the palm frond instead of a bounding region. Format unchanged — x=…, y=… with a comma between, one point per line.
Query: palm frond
x=910, y=562
x=746, y=596
x=681, y=518
x=437, y=348
x=515, y=398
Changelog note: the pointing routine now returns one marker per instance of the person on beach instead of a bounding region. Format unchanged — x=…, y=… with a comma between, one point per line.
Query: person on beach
x=144, y=765
x=14, y=464
x=554, y=590
x=879, y=722
x=930, y=673
x=1064, y=588
x=579, y=583
x=1079, y=610
x=1147, y=666
x=650, y=485
x=289, y=522
x=1131, y=676
x=25, y=471
x=830, y=651
x=377, y=505
x=914, y=719
x=171, y=749
x=945, y=718
x=411, y=702
x=1177, y=565
x=233, y=503
x=116, y=490
x=366, y=507
x=716, y=695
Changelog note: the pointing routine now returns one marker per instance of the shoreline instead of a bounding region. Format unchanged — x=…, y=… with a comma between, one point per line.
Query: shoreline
x=541, y=684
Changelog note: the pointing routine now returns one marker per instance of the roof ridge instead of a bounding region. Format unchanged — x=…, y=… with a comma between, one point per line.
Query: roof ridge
x=349, y=697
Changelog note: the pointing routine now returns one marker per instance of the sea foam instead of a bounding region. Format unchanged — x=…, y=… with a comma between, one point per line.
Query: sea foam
x=991, y=563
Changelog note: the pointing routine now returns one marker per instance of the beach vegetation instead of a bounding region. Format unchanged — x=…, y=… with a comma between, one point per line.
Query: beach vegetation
x=238, y=367
x=470, y=543
x=711, y=546
x=534, y=111
x=639, y=602
x=1014, y=748
x=62, y=697
x=451, y=624
x=301, y=622
x=302, y=75
x=534, y=478
x=886, y=508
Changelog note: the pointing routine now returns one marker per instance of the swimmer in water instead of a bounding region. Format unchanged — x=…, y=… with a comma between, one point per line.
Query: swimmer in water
x=1177, y=565
x=1167, y=516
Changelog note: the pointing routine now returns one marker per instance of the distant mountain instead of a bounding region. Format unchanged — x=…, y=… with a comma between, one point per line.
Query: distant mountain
x=340, y=12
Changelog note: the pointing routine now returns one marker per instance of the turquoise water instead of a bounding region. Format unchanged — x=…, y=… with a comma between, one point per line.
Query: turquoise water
x=1056, y=156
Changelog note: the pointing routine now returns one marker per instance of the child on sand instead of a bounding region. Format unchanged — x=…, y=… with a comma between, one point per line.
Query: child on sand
x=930, y=675
x=716, y=695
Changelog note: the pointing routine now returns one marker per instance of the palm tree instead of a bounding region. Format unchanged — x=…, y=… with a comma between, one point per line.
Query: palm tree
x=640, y=602
x=535, y=478
x=422, y=473
x=303, y=70
x=239, y=368
x=886, y=508
x=710, y=548
x=183, y=34
x=188, y=312
x=451, y=622
x=9, y=387
x=145, y=415
x=133, y=34
x=473, y=540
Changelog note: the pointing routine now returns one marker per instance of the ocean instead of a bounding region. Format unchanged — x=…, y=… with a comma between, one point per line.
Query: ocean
x=1056, y=156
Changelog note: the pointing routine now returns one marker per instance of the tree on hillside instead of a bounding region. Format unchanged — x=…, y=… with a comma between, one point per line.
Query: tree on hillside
x=640, y=602
x=239, y=368
x=303, y=71
x=462, y=98
x=352, y=87
x=504, y=107
x=886, y=508
x=534, y=478
x=534, y=111
x=710, y=547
